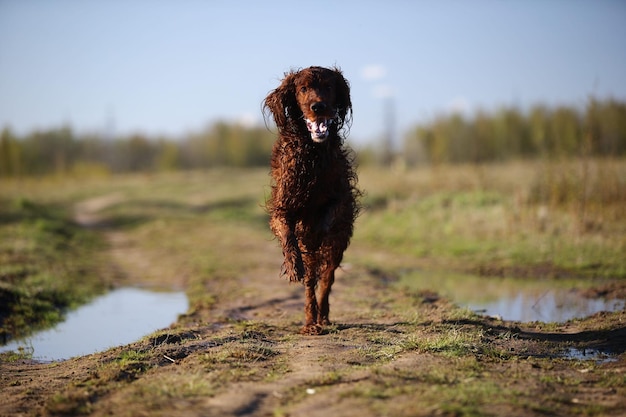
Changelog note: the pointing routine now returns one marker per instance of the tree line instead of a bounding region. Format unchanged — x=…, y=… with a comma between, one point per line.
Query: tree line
x=597, y=130
x=62, y=151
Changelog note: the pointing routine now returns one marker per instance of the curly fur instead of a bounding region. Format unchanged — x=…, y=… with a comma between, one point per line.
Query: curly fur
x=313, y=203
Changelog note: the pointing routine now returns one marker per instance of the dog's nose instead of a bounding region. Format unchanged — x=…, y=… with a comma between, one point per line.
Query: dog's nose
x=318, y=107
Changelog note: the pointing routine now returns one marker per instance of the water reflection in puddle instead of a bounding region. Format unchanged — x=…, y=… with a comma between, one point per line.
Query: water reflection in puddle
x=546, y=306
x=589, y=355
x=511, y=299
x=120, y=317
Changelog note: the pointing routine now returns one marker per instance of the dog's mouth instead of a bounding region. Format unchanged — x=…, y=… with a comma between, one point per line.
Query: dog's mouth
x=319, y=129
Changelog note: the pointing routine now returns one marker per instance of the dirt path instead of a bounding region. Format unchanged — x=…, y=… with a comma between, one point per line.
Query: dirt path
x=390, y=352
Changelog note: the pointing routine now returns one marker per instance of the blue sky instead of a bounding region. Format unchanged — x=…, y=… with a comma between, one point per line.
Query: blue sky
x=173, y=67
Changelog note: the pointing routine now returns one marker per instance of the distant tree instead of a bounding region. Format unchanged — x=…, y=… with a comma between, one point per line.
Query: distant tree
x=141, y=154
x=565, y=131
x=606, y=125
x=10, y=155
x=168, y=156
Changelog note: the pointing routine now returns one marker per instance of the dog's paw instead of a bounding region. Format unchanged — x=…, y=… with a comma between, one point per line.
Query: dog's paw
x=311, y=330
x=323, y=321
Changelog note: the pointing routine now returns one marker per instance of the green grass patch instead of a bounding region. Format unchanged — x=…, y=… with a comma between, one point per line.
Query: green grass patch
x=48, y=265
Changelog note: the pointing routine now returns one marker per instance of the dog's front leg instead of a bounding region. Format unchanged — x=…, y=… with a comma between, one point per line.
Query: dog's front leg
x=293, y=266
x=310, y=309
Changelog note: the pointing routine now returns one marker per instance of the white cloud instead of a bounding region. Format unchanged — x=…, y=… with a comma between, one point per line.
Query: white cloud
x=460, y=105
x=373, y=72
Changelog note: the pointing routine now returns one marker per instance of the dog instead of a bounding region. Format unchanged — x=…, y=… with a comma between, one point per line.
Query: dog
x=314, y=198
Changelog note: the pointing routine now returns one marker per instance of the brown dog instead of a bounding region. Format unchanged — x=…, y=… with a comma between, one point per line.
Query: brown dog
x=313, y=203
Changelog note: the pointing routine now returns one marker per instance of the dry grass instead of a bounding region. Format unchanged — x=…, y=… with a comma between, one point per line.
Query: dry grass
x=512, y=216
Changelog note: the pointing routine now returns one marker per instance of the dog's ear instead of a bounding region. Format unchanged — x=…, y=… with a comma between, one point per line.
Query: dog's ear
x=281, y=102
x=344, y=105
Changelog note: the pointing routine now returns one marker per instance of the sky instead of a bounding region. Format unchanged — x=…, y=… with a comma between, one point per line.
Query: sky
x=174, y=67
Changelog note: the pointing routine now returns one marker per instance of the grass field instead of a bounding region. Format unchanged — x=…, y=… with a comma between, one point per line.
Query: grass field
x=526, y=219
x=206, y=232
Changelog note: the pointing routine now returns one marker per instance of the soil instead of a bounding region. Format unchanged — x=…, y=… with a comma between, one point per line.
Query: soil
x=389, y=352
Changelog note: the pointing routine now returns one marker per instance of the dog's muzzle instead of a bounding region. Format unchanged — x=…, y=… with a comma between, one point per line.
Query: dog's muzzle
x=319, y=129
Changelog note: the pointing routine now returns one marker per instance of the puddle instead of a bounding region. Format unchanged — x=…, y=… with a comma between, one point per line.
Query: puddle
x=513, y=299
x=546, y=306
x=117, y=318
x=589, y=355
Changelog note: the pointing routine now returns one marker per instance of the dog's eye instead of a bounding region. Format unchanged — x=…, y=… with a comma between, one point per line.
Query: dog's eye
x=303, y=89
